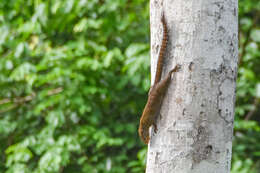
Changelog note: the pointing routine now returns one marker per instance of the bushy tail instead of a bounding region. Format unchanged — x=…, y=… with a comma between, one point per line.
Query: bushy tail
x=162, y=51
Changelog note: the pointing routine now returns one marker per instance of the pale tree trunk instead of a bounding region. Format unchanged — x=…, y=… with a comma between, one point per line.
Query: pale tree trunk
x=196, y=123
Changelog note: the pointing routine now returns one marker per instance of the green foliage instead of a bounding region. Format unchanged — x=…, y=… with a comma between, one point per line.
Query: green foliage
x=73, y=82
x=65, y=69
x=246, y=149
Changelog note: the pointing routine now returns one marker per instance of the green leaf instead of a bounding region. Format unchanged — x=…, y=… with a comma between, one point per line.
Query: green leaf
x=255, y=35
x=134, y=49
x=23, y=71
x=258, y=90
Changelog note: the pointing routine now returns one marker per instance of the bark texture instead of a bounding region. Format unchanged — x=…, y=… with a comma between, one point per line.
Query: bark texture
x=196, y=124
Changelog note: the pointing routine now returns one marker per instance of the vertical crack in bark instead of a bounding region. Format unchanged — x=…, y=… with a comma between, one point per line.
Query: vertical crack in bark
x=221, y=74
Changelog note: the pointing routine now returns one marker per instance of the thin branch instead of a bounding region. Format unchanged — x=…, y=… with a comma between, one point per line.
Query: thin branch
x=8, y=109
x=21, y=100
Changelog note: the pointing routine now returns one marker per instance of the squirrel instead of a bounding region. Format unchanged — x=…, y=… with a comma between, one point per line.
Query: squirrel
x=156, y=92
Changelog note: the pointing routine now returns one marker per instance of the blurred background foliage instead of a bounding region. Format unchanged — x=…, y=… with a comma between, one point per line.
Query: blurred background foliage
x=74, y=79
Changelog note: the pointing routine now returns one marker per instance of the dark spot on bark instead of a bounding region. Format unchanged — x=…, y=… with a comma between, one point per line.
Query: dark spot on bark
x=157, y=155
x=209, y=147
x=183, y=111
x=201, y=130
x=221, y=28
x=157, y=48
x=218, y=15
x=191, y=66
x=207, y=151
x=202, y=150
x=235, y=12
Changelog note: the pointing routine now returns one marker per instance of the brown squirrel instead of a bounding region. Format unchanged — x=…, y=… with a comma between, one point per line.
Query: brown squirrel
x=157, y=92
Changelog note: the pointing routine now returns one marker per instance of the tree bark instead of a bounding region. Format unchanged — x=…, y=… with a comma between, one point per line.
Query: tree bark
x=195, y=125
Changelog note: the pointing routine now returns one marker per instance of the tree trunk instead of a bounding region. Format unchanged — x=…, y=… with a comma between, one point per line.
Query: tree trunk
x=196, y=118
